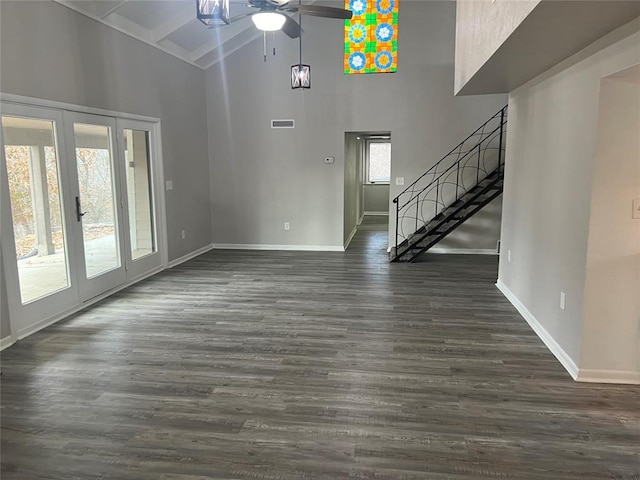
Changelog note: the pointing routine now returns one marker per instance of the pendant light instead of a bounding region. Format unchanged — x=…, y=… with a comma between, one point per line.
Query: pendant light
x=300, y=74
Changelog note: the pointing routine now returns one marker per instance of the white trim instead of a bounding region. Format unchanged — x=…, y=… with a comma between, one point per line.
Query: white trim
x=562, y=356
x=31, y=329
x=6, y=342
x=302, y=248
x=189, y=256
x=375, y=213
x=463, y=251
x=350, y=237
x=42, y=103
x=609, y=376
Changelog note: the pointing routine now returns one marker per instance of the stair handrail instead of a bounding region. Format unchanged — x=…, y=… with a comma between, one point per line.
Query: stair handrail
x=462, y=157
x=453, y=165
x=500, y=112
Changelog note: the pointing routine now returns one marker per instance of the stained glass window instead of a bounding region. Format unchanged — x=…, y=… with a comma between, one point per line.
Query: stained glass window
x=371, y=36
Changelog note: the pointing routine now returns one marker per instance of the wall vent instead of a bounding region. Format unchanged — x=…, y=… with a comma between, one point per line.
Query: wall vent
x=283, y=124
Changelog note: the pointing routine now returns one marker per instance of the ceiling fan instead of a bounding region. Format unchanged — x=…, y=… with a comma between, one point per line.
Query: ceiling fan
x=271, y=15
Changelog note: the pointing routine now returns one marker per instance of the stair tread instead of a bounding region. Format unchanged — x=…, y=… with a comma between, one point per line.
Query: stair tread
x=450, y=217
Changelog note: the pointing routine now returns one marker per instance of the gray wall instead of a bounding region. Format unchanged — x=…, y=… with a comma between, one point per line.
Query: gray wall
x=611, y=329
x=480, y=232
x=263, y=177
x=5, y=329
x=549, y=172
x=376, y=198
x=51, y=52
x=481, y=28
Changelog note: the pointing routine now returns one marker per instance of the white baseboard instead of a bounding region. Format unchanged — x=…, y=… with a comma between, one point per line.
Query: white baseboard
x=376, y=213
x=31, y=329
x=579, y=374
x=463, y=251
x=562, y=356
x=191, y=255
x=256, y=246
x=608, y=376
x=6, y=342
x=353, y=232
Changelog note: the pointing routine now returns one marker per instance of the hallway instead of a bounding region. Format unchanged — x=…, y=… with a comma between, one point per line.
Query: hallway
x=308, y=365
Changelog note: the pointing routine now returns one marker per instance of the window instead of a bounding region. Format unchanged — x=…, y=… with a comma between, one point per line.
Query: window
x=378, y=161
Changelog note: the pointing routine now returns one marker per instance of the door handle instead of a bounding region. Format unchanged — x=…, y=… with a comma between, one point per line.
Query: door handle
x=79, y=212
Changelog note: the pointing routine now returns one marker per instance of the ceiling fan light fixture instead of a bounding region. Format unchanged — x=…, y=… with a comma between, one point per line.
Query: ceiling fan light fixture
x=268, y=21
x=213, y=13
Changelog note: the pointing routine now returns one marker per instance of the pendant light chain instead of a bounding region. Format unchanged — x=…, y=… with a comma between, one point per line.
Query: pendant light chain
x=300, y=40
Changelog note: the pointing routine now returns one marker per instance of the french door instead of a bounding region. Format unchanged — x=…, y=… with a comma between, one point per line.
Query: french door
x=97, y=222
x=78, y=209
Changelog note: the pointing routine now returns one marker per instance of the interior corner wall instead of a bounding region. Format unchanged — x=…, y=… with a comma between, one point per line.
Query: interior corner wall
x=350, y=185
x=546, y=202
x=53, y=53
x=262, y=177
x=376, y=198
x=481, y=28
x=611, y=330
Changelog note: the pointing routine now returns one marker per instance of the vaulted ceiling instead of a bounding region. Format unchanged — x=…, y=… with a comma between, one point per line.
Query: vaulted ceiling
x=172, y=26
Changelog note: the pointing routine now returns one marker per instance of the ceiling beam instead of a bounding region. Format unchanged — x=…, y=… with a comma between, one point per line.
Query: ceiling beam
x=163, y=31
x=222, y=35
x=119, y=23
x=113, y=9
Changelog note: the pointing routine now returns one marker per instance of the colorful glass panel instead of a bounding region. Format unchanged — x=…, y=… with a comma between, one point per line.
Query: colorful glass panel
x=371, y=37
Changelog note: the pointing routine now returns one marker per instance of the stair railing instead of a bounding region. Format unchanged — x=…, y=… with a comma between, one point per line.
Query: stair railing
x=450, y=178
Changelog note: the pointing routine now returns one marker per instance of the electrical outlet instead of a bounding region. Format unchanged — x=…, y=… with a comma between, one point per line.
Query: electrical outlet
x=184, y=234
x=329, y=159
x=286, y=225
x=563, y=300
x=169, y=184
x=636, y=208
x=399, y=180
x=509, y=256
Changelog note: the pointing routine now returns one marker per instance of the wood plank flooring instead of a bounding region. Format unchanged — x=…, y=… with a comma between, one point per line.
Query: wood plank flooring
x=303, y=365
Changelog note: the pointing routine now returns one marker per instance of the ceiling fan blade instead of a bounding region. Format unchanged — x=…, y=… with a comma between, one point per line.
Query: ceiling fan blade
x=291, y=28
x=320, y=11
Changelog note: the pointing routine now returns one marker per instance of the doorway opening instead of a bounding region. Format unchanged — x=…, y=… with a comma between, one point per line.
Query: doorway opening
x=367, y=183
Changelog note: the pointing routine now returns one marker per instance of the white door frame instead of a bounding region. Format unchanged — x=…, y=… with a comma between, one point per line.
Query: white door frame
x=139, y=267
x=24, y=317
x=90, y=287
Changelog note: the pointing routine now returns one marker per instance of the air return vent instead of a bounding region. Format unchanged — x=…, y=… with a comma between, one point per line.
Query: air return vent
x=283, y=124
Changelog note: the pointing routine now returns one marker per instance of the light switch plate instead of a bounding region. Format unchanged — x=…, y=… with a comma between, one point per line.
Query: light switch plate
x=399, y=180
x=636, y=208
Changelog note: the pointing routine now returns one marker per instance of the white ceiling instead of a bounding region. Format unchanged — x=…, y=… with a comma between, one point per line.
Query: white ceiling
x=172, y=26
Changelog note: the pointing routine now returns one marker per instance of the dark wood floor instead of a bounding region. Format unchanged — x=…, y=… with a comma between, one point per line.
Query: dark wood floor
x=283, y=365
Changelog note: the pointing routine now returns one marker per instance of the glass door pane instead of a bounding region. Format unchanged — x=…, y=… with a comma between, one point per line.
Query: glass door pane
x=96, y=204
x=31, y=155
x=140, y=204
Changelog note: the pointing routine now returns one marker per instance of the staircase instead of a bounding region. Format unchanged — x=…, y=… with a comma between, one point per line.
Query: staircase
x=451, y=191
